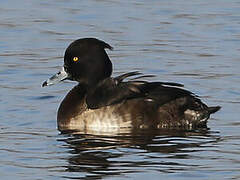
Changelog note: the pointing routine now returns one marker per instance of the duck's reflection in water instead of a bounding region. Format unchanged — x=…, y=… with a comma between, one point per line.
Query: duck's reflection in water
x=166, y=151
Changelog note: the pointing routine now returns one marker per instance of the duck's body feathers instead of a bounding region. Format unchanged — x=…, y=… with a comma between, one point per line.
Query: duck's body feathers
x=137, y=104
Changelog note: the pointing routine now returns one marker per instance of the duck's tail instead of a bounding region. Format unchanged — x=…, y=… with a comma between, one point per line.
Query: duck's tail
x=213, y=109
x=199, y=118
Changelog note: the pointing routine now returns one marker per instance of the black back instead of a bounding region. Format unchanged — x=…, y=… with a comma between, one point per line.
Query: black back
x=114, y=90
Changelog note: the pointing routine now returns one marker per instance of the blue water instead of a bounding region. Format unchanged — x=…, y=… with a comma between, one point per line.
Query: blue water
x=196, y=43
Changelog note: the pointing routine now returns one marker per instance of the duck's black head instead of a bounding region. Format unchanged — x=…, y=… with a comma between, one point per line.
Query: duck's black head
x=85, y=61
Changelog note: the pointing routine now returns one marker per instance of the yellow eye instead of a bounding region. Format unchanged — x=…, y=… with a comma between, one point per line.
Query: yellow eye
x=75, y=59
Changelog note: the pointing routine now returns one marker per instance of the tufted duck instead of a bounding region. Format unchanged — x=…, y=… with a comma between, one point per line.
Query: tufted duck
x=101, y=102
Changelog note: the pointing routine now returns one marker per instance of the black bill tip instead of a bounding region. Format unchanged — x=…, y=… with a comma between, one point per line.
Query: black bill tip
x=44, y=83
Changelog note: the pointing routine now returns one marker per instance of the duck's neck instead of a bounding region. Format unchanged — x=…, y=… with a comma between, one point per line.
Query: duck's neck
x=92, y=85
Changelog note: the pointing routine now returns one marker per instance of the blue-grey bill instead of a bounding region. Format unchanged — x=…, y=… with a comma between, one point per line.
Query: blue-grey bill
x=60, y=76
